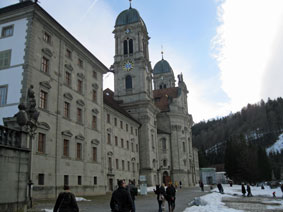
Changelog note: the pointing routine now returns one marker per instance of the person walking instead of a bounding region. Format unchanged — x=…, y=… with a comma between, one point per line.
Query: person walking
x=180, y=184
x=249, y=190
x=121, y=200
x=132, y=189
x=201, y=185
x=281, y=189
x=66, y=201
x=160, y=192
x=243, y=189
x=171, y=197
x=220, y=188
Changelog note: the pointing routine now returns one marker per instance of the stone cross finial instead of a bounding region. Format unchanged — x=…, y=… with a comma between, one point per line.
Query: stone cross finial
x=130, y=3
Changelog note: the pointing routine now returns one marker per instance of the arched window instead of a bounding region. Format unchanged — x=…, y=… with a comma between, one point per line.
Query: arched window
x=160, y=86
x=129, y=82
x=164, y=162
x=163, y=144
x=125, y=47
x=131, y=46
x=164, y=86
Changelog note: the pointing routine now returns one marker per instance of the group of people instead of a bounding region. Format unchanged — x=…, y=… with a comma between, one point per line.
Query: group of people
x=163, y=195
x=248, y=190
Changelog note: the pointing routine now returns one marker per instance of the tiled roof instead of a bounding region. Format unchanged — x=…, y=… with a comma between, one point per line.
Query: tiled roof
x=163, y=97
x=108, y=99
x=16, y=6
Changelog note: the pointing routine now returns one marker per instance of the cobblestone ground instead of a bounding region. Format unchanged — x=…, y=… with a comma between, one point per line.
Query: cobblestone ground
x=259, y=204
x=146, y=203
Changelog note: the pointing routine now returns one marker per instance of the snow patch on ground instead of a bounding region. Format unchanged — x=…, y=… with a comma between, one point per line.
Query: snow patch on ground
x=79, y=199
x=214, y=204
x=277, y=147
x=47, y=210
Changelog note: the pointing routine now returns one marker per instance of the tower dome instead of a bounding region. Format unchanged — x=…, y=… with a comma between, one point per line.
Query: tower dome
x=128, y=16
x=162, y=67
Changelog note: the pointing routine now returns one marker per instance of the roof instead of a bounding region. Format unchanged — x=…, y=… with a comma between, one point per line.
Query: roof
x=162, y=67
x=128, y=16
x=163, y=97
x=108, y=99
x=16, y=6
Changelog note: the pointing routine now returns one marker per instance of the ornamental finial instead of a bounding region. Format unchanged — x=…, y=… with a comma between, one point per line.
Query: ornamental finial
x=130, y=4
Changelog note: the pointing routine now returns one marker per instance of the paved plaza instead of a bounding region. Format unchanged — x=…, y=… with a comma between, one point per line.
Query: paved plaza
x=146, y=203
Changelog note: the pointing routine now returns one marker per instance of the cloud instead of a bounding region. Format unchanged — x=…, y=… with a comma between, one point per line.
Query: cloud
x=244, y=48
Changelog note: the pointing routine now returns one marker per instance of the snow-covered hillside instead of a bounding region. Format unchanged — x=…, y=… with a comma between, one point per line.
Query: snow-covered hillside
x=277, y=146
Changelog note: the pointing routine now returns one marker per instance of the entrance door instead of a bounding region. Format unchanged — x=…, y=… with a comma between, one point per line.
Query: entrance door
x=110, y=184
x=166, y=178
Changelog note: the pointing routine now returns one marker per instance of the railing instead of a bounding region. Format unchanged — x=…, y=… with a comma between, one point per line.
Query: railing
x=10, y=137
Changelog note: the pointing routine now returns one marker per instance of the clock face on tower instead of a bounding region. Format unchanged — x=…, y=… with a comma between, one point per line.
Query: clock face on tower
x=128, y=65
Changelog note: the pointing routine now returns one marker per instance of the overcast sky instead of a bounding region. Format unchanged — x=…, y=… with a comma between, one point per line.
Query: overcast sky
x=229, y=51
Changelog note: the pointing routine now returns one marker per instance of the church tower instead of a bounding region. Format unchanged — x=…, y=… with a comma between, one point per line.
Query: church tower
x=133, y=85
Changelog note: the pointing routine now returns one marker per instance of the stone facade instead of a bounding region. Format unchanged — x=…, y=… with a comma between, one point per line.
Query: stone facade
x=88, y=138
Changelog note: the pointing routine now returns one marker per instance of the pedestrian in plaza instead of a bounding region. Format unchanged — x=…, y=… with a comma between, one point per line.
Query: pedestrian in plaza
x=121, y=200
x=220, y=188
x=180, y=184
x=249, y=191
x=281, y=189
x=171, y=197
x=243, y=189
x=160, y=192
x=132, y=189
x=201, y=185
x=66, y=201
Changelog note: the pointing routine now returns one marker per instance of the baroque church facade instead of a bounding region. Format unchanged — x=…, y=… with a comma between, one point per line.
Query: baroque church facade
x=86, y=137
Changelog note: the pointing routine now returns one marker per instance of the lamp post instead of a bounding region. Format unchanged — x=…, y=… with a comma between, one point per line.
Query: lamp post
x=27, y=117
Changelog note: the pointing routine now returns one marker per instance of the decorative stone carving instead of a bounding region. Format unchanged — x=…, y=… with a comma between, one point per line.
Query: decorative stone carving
x=80, y=102
x=68, y=96
x=95, y=86
x=109, y=153
x=69, y=67
x=67, y=133
x=133, y=159
x=81, y=75
x=43, y=125
x=109, y=130
x=45, y=84
x=95, y=111
x=80, y=137
x=95, y=141
x=47, y=51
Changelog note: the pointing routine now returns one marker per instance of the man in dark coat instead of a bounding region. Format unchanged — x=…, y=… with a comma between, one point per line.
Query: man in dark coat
x=171, y=197
x=201, y=185
x=121, y=200
x=66, y=201
x=243, y=190
x=132, y=189
x=282, y=189
x=249, y=190
x=160, y=192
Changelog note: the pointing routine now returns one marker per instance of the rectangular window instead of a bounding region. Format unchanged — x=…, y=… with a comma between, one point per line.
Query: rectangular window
x=137, y=147
x=68, y=78
x=80, y=86
x=108, y=118
x=115, y=122
x=66, y=179
x=79, y=180
x=5, y=59
x=66, y=148
x=133, y=167
x=123, y=165
x=94, y=74
x=94, y=123
x=94, y=154
x=136, y=132
x=116, y=141
x=128, y=147
x=79, y=115
x=129, y=168
x=43, y=100
x=152, y=142
x=68, y=53
x=41, y=142
x=94, y=180
x=7, y=31
x=184, y=147
x=132, y=130
x=79, y=151
x=110, y=163
x=94, y=95
x=127, y=127
x=80, y=63
x=108, y=138
x=117, y=164
x=122, y=142
x=44, y=64
x=132, y=147
x=3, y=95
x=121, y=124
x=40, y=179
x=66, y=109
x=47, y=37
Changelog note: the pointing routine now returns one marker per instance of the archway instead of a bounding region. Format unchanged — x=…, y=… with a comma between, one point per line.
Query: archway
x=166, y=179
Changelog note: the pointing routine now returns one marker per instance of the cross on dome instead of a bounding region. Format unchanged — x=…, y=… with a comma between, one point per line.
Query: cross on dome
x=130, y=3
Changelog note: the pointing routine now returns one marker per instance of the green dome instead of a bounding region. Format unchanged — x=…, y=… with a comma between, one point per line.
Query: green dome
x=129, y=16
x=162, y=67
